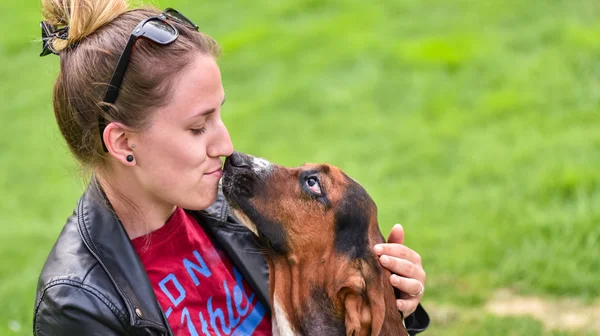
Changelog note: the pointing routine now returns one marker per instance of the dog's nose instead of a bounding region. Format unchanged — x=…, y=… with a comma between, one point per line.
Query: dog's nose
x=239, y=160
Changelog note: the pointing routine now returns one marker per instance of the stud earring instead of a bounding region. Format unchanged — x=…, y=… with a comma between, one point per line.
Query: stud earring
x=132, y=145
x=129, y=158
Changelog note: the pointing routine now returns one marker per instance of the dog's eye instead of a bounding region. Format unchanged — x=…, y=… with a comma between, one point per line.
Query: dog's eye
x=313, y=184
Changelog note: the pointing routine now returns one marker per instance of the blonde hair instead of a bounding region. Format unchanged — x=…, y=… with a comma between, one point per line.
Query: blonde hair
x=98, y=32
x=82, y=16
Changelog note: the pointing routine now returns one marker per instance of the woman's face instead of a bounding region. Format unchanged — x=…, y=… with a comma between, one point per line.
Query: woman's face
x=178, y=159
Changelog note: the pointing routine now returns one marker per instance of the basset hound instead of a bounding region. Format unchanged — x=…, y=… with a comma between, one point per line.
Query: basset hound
x=318, y=227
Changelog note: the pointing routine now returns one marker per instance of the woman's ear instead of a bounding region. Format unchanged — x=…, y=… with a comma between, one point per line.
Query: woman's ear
x=117, y=143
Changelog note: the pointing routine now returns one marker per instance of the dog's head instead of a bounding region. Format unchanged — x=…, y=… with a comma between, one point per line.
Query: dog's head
x=317, y=215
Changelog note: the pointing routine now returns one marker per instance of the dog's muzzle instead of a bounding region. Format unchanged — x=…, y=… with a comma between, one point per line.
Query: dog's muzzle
x=242, y=172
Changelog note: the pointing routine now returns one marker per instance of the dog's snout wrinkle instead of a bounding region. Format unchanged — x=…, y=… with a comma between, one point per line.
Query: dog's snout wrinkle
x=260, y=164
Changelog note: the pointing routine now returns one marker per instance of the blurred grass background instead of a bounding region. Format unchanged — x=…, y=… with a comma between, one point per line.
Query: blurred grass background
x=475, y=124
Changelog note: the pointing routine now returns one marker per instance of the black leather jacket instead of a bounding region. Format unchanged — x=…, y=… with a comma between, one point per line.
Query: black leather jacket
x=94, y=284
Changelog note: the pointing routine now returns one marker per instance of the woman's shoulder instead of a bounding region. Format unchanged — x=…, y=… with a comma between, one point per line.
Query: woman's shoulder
x=71, y=263
x=69, y=258
x=72, y=277
x=72, y=257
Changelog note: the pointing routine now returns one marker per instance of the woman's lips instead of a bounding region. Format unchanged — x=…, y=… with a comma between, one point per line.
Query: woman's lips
x=216, y=173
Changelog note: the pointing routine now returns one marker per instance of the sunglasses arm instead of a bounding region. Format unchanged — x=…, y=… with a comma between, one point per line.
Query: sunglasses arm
x=112, y=91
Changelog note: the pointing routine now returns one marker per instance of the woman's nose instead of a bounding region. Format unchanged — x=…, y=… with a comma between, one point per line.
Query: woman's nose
x=221, y=144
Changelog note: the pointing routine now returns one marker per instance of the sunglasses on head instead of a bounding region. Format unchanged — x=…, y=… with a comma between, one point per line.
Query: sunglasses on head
x=158, y=29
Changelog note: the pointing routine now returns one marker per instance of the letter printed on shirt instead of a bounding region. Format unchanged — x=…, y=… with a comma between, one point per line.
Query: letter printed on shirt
x=190, y=267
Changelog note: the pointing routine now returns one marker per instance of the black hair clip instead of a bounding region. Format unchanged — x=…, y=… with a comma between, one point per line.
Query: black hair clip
x=49, y=32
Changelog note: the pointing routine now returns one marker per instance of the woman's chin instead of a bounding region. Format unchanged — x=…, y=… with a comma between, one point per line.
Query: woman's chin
x=202, y=202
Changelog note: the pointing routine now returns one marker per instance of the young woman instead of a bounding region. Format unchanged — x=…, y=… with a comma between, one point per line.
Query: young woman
x=138, y=101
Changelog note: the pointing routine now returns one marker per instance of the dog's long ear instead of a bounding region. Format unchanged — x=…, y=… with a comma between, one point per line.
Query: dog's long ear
x=386, y=319
x=376, y=293
x=377, y=289
x=353, y=301
x=363, y=300
x=353, y=317
x=368, y=299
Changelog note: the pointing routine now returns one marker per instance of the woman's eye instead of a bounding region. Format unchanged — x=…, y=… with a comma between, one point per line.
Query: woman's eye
x=313, y=184
x=198, y=131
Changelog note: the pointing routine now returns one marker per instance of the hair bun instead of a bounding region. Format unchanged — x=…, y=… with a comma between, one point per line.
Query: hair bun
x=82, y=16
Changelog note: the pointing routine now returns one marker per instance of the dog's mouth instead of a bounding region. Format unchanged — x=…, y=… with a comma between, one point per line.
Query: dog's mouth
x=262, y=239
x=237, y=190
x=241, y=216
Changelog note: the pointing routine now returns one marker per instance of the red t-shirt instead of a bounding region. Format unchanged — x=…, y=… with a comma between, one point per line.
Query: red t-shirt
x=196, y=284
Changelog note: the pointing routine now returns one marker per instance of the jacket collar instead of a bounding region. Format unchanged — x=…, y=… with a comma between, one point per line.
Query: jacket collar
x=105, y=237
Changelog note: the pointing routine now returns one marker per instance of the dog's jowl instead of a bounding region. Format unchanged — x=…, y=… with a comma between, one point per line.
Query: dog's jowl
x=318, y=227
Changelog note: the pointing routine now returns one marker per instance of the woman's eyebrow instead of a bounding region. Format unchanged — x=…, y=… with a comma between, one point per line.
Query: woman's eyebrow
x=207, y=112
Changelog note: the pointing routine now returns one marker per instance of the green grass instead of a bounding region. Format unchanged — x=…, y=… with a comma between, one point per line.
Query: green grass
x=475, y=124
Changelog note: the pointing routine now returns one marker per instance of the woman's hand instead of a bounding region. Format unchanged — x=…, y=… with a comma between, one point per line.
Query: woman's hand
x=407, y=271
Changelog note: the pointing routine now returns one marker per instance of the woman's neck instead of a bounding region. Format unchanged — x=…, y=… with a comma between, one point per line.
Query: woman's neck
x=139, y=213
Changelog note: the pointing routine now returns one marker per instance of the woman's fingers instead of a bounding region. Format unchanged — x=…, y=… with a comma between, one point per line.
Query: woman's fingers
x=412, y=291
x=412, y=287
x=406, y=266
x=396, y=235
x=398, y=251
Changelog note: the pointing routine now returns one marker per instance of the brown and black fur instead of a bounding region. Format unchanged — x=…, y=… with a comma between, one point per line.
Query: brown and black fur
x=323, y=272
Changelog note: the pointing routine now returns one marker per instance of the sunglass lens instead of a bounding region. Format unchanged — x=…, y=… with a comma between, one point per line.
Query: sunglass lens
x=180, y=18
x=159, y=31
